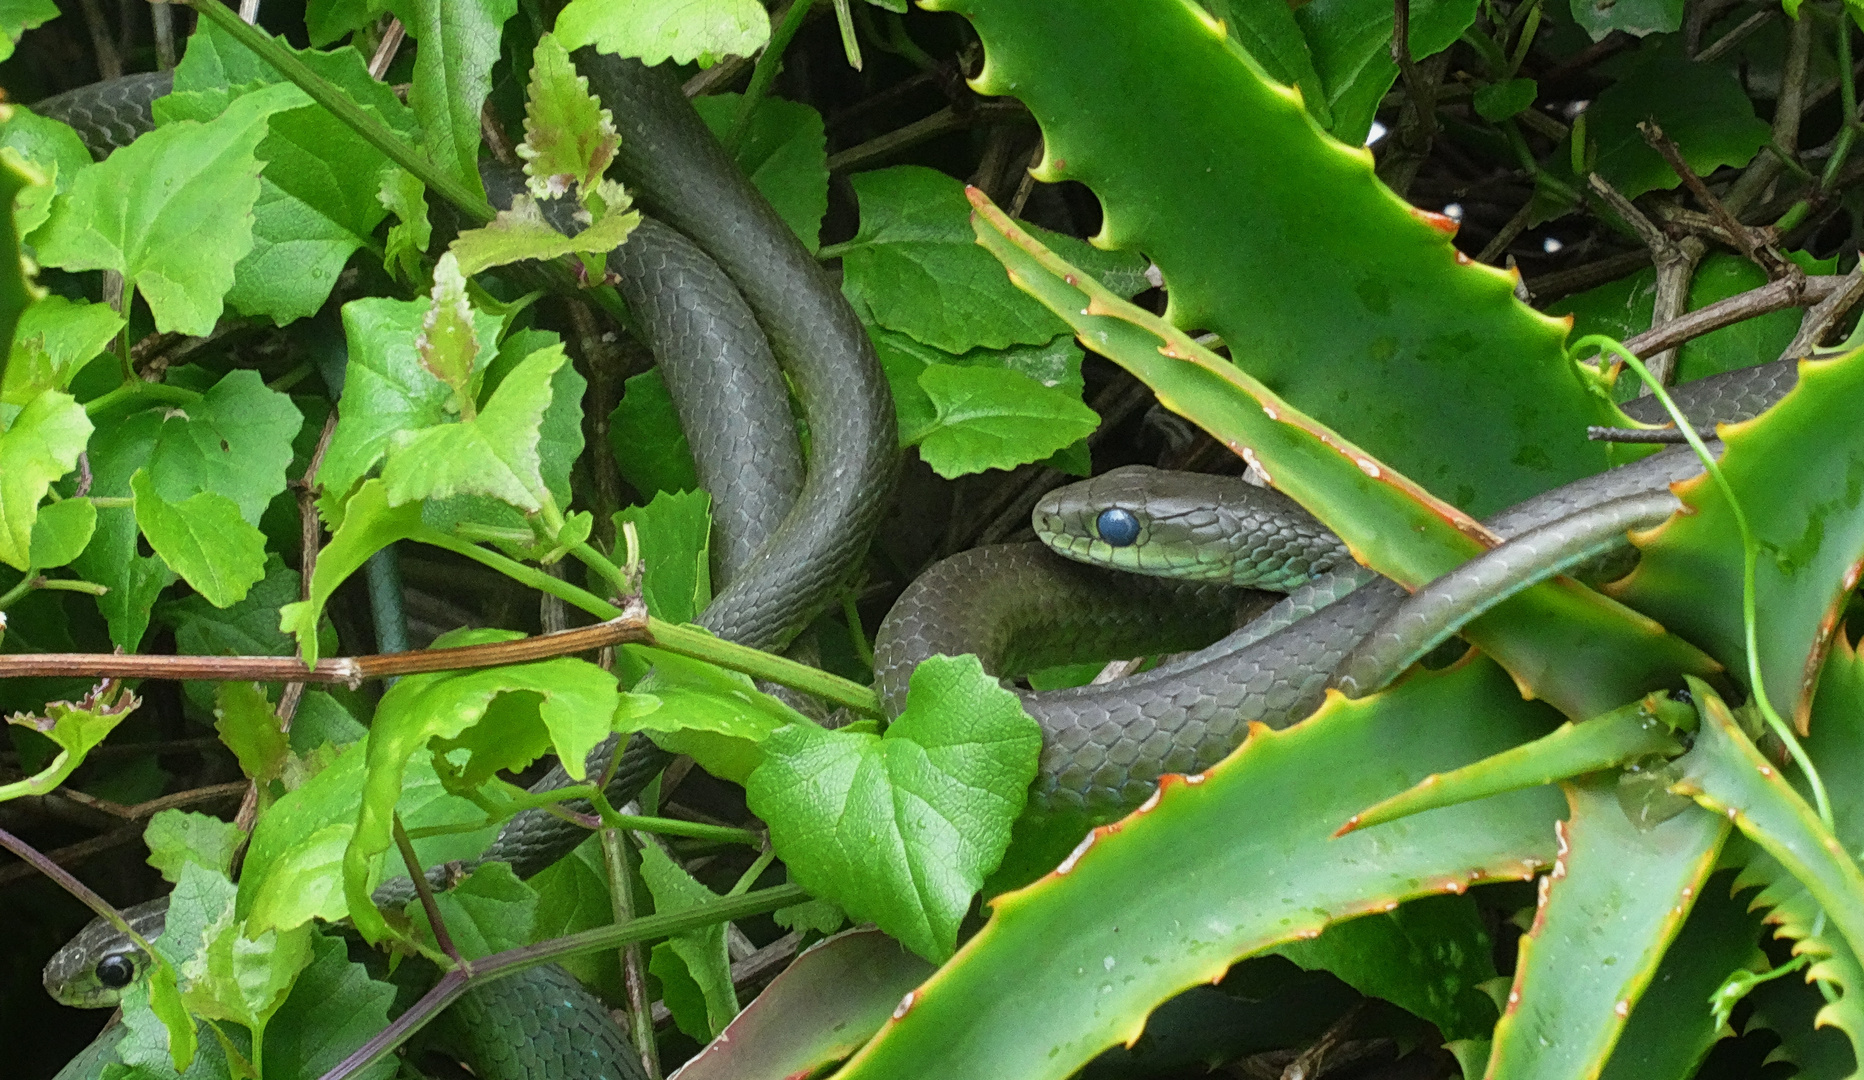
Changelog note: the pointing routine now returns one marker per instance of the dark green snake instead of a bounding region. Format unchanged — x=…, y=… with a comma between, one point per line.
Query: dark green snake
x=1106, y=745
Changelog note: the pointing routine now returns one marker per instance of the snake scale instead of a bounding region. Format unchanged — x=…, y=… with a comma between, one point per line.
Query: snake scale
x=788, y=533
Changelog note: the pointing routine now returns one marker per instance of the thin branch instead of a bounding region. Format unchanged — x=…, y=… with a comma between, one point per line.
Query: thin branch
x=1785, y=293
x=385, y=51
x=945, y=120
x=1788, y=109
x=422, y=889
x=1756, y=248
x=1822, y=317
x=628, y=628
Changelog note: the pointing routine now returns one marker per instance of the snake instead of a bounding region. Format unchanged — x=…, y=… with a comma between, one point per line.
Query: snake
x=1136, y=560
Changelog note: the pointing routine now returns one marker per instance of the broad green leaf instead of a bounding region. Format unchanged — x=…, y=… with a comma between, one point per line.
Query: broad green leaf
x=573, y=896
x=1197, y=891
x=914, y=265
x=1268, y=33
x=1429, y=956
x=658, y=30
x=201, y=900
x=902, y=829
x=41, y=445
x=493, y=454
x=75, y=727
x=202, y=538
x=447, y=346
x=1614, y=902
x=1638, y=18
x=61, y=532
x=328, y=20
x=293, y=868
x=569, y=138
x=36, y=148
x=317, y=202
x=385, y=389
x=489, y=912
x=333, y=1009
x=1796, y=470
x=819, y=1010
x=1499, y=101
x=405, y=195
x=19, y=16
x=243, y=979
x=1701, y=107
x=567, y=703
x=369, y=525
x=996, y=419
x=176, y=838
x=234, y=442
x=171, y=212
x=702, y=951
x=249, y=728
x=1054, y=365
x=55, y=338
x=1123, y=85
x=248, y=628
x=645, y=436
x=522, y=233
x=1351, y=44
x=717, y=716
x=1391, y=523
x=452, y=75
x=674, y=530
x=1644, y=729
x=785, y=153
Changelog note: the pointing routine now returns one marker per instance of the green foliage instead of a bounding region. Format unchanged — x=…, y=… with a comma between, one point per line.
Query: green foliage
x=902, y=828
x=41, y=445
x=698, y=958
x=683, y=30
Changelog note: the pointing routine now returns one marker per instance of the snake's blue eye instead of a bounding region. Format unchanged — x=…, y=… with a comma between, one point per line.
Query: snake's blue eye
x=116, y=971
x=1117, y=527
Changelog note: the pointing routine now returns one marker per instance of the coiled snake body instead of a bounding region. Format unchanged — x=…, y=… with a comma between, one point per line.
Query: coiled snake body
x=788, y=535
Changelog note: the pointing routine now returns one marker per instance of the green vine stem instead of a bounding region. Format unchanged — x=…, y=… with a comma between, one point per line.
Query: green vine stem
x=765, y=73
x=1750, y=555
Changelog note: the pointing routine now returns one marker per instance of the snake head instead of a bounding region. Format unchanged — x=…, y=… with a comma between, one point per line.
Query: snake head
x=1187, y=525
x=94, y=968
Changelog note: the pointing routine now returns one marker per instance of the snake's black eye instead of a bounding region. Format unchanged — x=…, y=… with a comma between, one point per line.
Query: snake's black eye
x=1117, y=526
x=116, y=971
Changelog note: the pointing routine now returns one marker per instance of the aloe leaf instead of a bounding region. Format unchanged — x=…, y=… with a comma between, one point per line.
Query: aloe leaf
x=1637, y=730
x=1325, y=284
x=1615, y=899
x=1726, y=774
x=1799, y=469
x=1388, y=522
x=820, y=1010
x=1672, y=1027
x=1219, y=866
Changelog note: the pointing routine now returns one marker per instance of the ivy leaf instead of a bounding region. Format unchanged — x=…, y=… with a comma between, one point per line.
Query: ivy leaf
x=111, y=560
x=1499, y=101
x=176, y=838
x=1268, y=33
x=658, y=30
x=645, y=436
x=702, y=951
x=902, y=828
x=52, y=148
x=19, y=16
x=717, y=716
x=489, y=912
x=55, y=338
x=569, y=701
x=522, y=233
x=333, y=1009
x=452, y=75
x=75, y=727
x=202, y=538
x=243, y=979
x=916, y=267
x=40, y=446
x=369, y=525
x=569, y=138
x=386, y=389
x=1702, y=107
x=674, y=530
x=248, y=628
x=61, y=532
x=785, y=153
x=1639, y=18
x=317, y=201
x=235, y=442
x=1351, y=47
x=995, y=419
x=249, y=728
x=405, y=196
x=172, y=212
x=494, y=453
